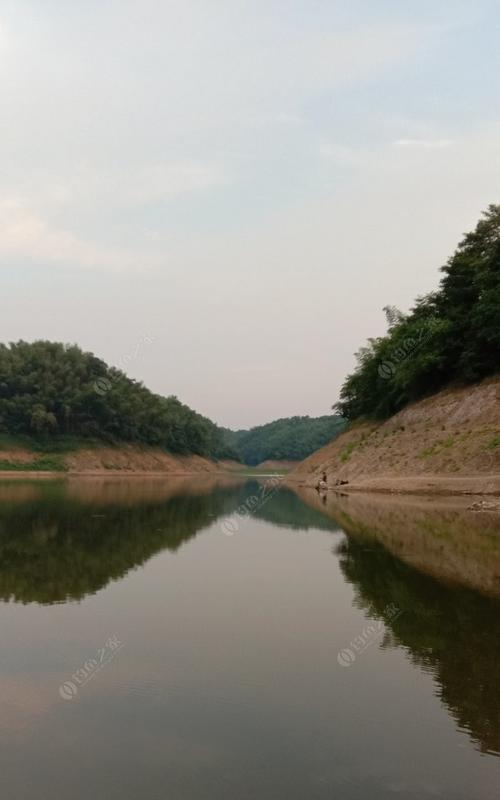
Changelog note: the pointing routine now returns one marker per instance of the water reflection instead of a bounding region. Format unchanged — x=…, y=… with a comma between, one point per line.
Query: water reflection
x=61, y=541
x=449, y=631
x=436, y=562
x=447, y=628
x=64, y=541
x=438, y=536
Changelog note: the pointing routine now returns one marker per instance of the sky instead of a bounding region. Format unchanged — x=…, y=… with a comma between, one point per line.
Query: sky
x=220, y=197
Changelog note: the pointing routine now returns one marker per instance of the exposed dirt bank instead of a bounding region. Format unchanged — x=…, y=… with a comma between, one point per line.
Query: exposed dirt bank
x=439, y=536
x=131, y=458
x=104, y=460
x=448, y=443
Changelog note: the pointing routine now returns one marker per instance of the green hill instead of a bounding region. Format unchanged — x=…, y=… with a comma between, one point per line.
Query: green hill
x=288, y=439
x=451, y=336
x=53, y=392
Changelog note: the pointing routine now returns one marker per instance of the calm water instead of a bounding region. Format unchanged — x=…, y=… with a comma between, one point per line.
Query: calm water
x=146, y=653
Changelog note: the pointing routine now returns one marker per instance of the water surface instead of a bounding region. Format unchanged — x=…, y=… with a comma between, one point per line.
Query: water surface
x=206, y=639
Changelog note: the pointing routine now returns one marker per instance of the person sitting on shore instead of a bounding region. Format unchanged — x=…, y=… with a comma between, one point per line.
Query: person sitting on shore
x=322, y=484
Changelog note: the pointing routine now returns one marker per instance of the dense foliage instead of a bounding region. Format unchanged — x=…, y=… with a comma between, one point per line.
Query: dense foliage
x=49, y=390
x=290, y=439
x=451, y=335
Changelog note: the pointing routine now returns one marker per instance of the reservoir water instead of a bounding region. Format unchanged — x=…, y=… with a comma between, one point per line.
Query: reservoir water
x=208, y=638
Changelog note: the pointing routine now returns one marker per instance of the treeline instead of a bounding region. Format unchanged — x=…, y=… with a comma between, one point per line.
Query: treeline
x=451, y=335
x=50, y=390
x=289, y=439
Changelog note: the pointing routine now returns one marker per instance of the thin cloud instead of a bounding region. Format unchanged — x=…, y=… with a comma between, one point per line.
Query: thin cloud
x=147, y=184
x=26, y=236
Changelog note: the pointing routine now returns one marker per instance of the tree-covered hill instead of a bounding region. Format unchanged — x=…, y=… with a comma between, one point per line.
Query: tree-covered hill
x=50, y=390
x=289, y=439
x=451, y=335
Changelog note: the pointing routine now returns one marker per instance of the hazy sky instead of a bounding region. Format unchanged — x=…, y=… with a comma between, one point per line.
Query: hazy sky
x=245, y=183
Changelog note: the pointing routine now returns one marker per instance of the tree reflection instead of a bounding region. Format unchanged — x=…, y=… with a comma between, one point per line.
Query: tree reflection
x=447, y=630
x=55, y=547
x=62, y=541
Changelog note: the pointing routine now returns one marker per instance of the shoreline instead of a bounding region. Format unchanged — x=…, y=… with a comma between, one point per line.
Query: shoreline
x=416, y=485
x=440, y=535
x=411, y=485
x=45, y=474
x=123, y=473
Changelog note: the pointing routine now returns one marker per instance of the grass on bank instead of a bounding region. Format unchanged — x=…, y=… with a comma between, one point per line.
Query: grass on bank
x=59, y=444
x=44, y=464
x=49, y=454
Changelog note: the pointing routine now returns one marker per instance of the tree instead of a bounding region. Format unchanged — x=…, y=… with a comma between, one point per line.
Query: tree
x=48, y=389
x=288, y=439
x=452, y=334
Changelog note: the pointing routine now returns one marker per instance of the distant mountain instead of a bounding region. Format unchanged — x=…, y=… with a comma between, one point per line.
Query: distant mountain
x=288, y=439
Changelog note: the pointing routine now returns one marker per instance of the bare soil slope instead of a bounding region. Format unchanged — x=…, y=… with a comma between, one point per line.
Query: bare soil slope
x=448, y=442
x=129, y=459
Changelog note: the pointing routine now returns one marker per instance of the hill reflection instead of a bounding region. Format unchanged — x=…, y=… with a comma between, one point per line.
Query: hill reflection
x=424, y=558
x=61, y=541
